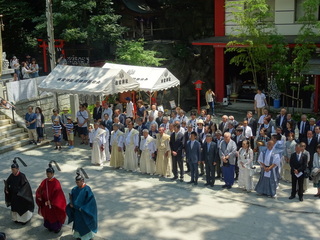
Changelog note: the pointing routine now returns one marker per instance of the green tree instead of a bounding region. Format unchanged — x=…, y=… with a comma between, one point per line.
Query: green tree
x=134, y=53
x=83, y=21
x=252, y=34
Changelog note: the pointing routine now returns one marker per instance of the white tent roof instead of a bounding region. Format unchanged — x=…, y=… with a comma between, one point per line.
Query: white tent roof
x=150, y=78
x=88, y=81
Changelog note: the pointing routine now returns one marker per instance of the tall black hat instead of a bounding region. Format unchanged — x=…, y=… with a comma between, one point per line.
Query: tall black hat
x=15, y=164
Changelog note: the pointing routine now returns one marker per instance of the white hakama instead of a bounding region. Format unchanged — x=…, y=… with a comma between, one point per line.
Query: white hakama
x=131, y=141
x=147, y=147
x=98, y=142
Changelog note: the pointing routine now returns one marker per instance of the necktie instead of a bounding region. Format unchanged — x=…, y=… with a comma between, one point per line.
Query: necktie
x=175, y=136
x=302, y=127
x=309, y=141
x=244, y=131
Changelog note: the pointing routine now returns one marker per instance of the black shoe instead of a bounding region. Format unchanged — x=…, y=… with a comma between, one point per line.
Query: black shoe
x=291, y=197
x=30, y=142
x=229, y=187
x=201, y=174
x=224, y=186
x=301, y=199
x=190, y=182
x=187, y=171
x=195, y=183
x=56, y=148
x=34, y=142
x=211, y=185
x=181, y=179
x=174, y=178
x=217, y=177
x=81, y=143
x=57, y=231
x=207, y=184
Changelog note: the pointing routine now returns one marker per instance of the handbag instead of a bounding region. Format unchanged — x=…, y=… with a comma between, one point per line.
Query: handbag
x=307, y=173
x=208, y=106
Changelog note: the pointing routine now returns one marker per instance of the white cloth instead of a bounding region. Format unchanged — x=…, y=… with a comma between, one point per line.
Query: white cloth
x=129, y=109
x=98, y=141
x=147, y=147
x=259, y=98
x=114, y=139
x=266, y=162
x=23, y=219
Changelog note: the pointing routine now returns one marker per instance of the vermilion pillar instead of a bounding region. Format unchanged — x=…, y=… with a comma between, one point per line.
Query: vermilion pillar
x=316, y=95
x=219, y=30
x=219, y=73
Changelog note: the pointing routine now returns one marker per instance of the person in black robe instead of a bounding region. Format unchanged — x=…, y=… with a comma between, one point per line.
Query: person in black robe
x=18, y=195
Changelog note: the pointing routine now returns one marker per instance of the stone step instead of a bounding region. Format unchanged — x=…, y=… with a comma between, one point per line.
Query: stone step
x=5, y=122
x=13, y=146
x=12, y=139
x=21, y=146
x=7, y=127
x=2, y=117
x=10, y=132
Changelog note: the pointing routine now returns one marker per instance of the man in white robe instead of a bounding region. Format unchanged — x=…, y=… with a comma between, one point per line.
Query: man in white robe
x=107, y=144
x=131, y=141
x=98, y=142
x=117, y=155
x=148, y=149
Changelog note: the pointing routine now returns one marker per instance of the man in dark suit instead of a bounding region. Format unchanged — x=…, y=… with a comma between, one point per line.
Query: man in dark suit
x=210, y=154
x=97, y=111
x=186, y=138
x=311, y=146
x=317, y=134
x=159, y=118
x=253, y=123
x=298, y=164
x=176, y=145
x=193, y=154
x=303, y=127
x=312, y=125
x=223, y=126
x=281, y=119
x=289, y=119
x=238, y=139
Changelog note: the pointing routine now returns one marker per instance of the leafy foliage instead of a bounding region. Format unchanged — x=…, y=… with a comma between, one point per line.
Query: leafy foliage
x=253, y=35
x=133, y=53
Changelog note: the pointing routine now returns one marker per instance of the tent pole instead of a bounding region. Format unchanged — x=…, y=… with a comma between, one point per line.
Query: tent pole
x=179, y=96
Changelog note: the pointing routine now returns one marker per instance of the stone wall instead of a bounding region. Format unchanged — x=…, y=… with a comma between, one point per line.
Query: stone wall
x=47, y=103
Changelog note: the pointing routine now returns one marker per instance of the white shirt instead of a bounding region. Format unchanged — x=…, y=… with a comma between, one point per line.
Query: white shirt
x=247, y=132
x=108, y=111
x=82, y=116
x=192, y=142
x=154, y=114
x=259, y=98
x=129, y=109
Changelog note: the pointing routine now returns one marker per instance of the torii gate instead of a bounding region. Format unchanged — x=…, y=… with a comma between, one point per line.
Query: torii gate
x=59, y=44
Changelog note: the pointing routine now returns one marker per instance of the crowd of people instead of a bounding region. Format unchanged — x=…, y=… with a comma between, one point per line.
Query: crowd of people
x=28, y=68
x=146, y=140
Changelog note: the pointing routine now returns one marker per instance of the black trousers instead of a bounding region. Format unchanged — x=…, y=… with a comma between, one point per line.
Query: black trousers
x=177, y=161
x=201, y=168
x=210, y=172
x=294, y=185
x=219, y=169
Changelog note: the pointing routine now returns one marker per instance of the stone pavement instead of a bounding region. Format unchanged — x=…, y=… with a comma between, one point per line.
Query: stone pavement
x=136, y=206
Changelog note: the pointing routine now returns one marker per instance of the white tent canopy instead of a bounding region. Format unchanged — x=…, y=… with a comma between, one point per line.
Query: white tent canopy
x=150, y=78
x=88, y=81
